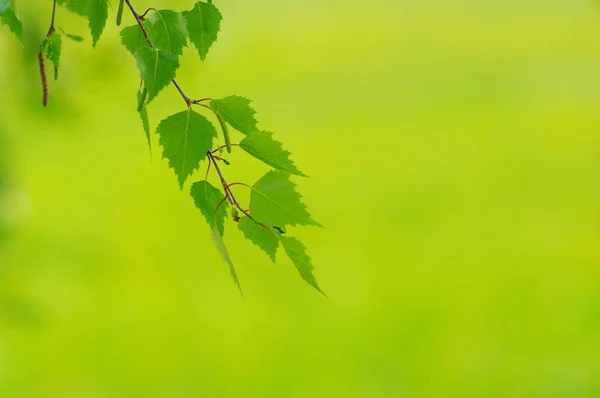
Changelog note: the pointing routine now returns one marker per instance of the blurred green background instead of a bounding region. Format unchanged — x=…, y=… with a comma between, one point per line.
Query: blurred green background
x=454, y=150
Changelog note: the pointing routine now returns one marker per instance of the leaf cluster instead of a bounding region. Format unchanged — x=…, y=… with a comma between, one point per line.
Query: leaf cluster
x=188, y=138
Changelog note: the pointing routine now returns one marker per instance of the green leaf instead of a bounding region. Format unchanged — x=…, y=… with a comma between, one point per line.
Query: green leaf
x=4, y=4
x=144, y=116
x=157, y=69
x=275, y=202
x=186, y=137
x=74, y=37
x=207, y=198
x=133, y=38
x=167, y=30
x=53, y=49
x=96, y=11
x=218, y=240
x=10, y=19
x=260, y=236
x=297, y=253
x=203, y=22
x=262, y=146
x=237, y=112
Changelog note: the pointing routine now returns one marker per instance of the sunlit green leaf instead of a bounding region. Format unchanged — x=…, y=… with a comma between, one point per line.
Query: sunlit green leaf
x=167, y=30
x=218, y=241
x=275, y=202
x=203, y=22
x=262, y=146
x=237, y=112
x=186, y=137
x=157, y=69
x=260, y=236
x=297, y=253
x=207, y=198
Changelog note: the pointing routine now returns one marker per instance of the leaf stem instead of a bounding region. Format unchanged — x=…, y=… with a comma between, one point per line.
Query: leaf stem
x=143, y=16
x=223, y=147
x=228, y=193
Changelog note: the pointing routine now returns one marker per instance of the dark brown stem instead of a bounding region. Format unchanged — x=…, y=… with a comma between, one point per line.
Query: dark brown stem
x=217, y=209
x=140, y=22
x=51, y=28
x=44, y=79
x=143, y=16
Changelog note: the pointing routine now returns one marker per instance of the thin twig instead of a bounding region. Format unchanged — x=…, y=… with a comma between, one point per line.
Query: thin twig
x=143, y=16
x=223, y=147
x=51, y=28
x=228, y=192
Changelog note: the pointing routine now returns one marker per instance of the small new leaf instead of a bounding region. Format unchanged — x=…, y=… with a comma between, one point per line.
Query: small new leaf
x=297, y=253
x=157, y=69
x=218, y=241
x=53, y=47
x=186, y=137
x=74, y=37
x=203, y=22
x=133, y=38
x=274, y=201
x=263, y=147
x=141, y=97
x=260, y=236
x=167, y=30
x=207, y=198
x=237, y=112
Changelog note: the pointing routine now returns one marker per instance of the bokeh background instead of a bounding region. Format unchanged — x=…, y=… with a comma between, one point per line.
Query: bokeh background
x=454, y=150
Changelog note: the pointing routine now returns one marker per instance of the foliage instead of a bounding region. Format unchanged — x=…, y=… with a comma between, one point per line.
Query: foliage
x=156, y=41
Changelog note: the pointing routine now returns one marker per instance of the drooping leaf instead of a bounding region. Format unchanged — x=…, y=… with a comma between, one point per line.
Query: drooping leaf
x=262, y=146
x=237, y=112
x=275, y=202
x=203, y=22
x=218, y=241
x=96, y=11
x=207, y=198
x=4, y=4
x=186, y=137
x=297, y=253
x=74, y=37
x=260, y=236
x=167, y=30
x=10, y=19
x=97, y=15
x=157, y=69
x=144, y=116
x=133, y=38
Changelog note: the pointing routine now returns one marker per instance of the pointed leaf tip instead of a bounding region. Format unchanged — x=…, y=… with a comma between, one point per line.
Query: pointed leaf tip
x=220, y=244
